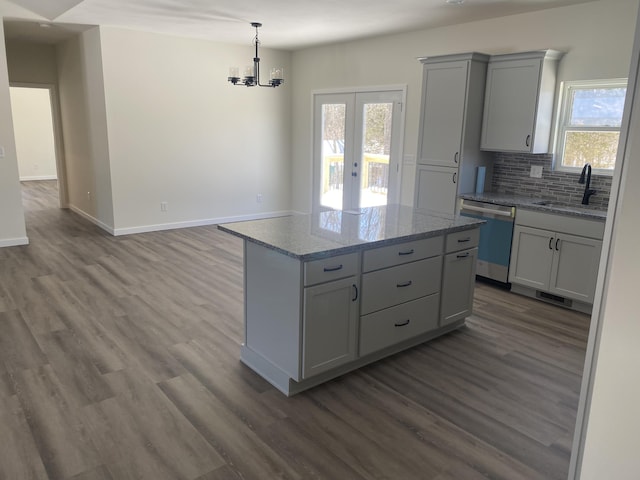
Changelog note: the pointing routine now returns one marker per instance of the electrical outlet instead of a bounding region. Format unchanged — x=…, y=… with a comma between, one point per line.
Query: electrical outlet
x=164, y=206
x=536, y=171
x=259, y=198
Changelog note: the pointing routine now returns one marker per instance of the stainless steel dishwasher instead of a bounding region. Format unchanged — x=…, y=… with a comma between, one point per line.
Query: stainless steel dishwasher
x=494, y=250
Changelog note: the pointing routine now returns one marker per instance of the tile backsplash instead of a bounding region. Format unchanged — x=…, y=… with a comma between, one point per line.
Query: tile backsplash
x=511, y=176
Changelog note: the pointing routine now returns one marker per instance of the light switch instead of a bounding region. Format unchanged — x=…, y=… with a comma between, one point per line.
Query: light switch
x=536, y=171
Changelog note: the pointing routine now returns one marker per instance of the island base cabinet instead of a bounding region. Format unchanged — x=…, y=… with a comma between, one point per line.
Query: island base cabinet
x=330, y=323
x=458, y=284
x=393, y=325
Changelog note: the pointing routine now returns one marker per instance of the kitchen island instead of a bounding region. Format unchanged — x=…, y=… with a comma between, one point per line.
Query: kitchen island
x=329, y=292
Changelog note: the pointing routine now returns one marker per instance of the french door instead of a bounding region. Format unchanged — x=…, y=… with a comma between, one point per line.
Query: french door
x=357, y=146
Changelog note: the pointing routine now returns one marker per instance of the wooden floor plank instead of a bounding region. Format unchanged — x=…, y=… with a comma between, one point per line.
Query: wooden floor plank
x=119, y=358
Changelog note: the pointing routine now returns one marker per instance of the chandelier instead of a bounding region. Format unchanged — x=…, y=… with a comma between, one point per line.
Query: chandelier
x=251, y=74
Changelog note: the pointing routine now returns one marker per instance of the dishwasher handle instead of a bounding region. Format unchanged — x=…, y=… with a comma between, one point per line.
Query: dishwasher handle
x=501, y=213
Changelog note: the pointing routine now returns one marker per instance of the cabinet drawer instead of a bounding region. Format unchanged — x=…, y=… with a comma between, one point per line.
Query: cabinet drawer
x=330, y=268
x=462, y=240
x=582, y=227
x=395, y=285
x=406, y=252
x=393, y=325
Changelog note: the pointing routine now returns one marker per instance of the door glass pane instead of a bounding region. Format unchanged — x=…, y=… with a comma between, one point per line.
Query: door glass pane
x=332, y=154
x=376, y=149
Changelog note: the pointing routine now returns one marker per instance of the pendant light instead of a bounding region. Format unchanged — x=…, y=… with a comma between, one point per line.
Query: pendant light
x=251, y=74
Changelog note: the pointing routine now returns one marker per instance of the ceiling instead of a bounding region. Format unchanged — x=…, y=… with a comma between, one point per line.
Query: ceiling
x=288, y=24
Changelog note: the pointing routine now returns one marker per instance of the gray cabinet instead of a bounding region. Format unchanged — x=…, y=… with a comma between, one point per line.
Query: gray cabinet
x=400, y=293
x=330, y=323
x=309, y=321
x=519, y=98
x=436, y=188
x=450, y=124
x=458, y=277
x=556, y=254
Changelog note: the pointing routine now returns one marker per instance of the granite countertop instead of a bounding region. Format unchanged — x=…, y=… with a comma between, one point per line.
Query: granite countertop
x=539, y=204
x=334, y=232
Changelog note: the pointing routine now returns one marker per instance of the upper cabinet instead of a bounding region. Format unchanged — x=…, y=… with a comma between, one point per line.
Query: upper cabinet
x=450, y=123
x=518, y=104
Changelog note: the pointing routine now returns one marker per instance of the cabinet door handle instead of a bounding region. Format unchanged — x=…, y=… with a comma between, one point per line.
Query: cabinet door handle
x=405, y=284
x=455, y=157
x=557, y=241
x=455, y=174
x=402, y=324
x=355, y=290
x=464, y=240
x=528, y=141
x=406, y=252
x=464, y=255
x=550, y=242
x=333, y=269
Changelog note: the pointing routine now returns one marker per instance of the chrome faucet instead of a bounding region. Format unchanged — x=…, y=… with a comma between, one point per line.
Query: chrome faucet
x=586, y=170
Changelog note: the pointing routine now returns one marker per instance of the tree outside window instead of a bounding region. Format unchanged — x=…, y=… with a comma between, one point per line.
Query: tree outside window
x=589, y=124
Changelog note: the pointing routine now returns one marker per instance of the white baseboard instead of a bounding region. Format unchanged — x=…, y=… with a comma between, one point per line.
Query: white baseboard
x=13, y=242
x=39, y=177
x=92, y=219
x=197, y=223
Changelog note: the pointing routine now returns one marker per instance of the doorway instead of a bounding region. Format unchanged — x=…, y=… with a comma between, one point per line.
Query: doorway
x=38, y=137
x=357, y=147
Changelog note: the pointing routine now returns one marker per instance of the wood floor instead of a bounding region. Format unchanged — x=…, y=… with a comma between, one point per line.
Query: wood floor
x=119, y=359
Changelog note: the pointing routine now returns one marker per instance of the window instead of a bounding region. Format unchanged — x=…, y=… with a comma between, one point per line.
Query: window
x=589, y=124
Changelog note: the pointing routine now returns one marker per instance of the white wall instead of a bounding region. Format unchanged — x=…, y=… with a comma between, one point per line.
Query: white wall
x=82, y=105
x=597, y=37
x=611, y=437
x=179, y=133
x=12, y=226
x=31, y=62
x=33, y=129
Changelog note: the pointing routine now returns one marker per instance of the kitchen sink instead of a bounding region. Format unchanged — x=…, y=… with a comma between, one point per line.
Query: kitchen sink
x=565, y=205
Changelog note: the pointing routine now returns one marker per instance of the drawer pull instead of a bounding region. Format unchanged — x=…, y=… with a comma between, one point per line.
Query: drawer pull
x=403, y=324
x=464, y=240
x=464, y=255
x=405, y=284
x=407, y=252
x=333, y=269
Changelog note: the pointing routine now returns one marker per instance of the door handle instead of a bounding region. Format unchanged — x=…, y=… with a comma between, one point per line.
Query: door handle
x=355, y=296
x=408, y=252
x=557, y=241
x=550, y=242
x=402, y=324
x=528, y=141
x=455, y=157
x=455, y=174
x=405, y=284
x=464, y=255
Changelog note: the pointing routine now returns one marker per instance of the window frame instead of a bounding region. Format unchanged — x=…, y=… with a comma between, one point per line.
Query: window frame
x=563, y=117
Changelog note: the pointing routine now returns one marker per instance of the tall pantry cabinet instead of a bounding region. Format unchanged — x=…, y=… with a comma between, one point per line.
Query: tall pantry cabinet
x=453, y=89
